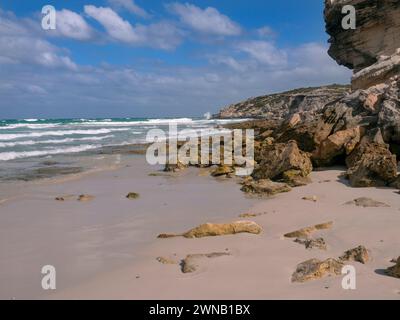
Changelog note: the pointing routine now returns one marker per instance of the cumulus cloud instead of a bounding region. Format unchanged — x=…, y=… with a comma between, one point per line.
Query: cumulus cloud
x=163, y=35
x=72, y=25
x=131, y=6
x=31, y=66
x=115, y=26
x=18, y=45
x=208, y=21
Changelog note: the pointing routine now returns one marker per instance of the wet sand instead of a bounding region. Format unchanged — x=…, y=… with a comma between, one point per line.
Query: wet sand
x=107, y=248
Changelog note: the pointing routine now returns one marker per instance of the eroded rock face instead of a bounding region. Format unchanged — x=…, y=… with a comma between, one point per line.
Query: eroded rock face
x=377, y=31
x=341, y=142
x=315, y=269
x=213, y=229
x=371, y=165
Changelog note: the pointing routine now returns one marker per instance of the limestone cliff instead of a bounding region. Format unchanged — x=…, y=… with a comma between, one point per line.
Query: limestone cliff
x=371, y=50
x=305, y=101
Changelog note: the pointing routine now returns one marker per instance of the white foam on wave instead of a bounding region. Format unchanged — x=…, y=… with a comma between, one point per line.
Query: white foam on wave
x=107, y=122
x=6, y=156
x=4, y=137
x=68, y=140
x=29, y=126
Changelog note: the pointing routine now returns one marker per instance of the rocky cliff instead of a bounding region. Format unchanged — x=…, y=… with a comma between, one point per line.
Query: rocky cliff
x=332, y=125
x=371, y=50
x=305, y=102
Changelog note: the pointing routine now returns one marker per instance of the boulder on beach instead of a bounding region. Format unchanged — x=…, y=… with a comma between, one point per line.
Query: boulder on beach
x=274, y=160
x=306, y=232
x=371, y=165
x=315, y=269
x=214, y=229
x=359, y=254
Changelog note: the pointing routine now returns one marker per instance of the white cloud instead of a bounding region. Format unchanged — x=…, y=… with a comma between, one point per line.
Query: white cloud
x=163, y=35
x=131, y=6
x=208, y=21
x=18, y=45
x=115, y=26
x=72, y=25
x=264, y=52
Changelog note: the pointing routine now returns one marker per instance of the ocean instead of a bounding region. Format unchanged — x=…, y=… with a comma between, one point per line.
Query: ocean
x=40, y=148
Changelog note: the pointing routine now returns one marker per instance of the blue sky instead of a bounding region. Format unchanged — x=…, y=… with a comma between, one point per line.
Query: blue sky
x=153, y=58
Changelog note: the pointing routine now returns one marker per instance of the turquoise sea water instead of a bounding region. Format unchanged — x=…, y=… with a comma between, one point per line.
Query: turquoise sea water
x=26, y=145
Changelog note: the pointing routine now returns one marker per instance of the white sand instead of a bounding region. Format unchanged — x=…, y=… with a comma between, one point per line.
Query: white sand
x=107, y=249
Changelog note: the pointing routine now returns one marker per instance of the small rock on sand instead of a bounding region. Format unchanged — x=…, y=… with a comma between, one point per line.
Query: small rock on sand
x=394, y=271
x=211, y=229
x=132, y=195
x=359, y=254
x=367, y=203
x=311, y=198
x=315, y=269
x=85, y=198
x=318, y=243
x=223, y=170
x=306, y=232
x=252, y=215
x=65, y=198
x=192, y=261
x=265, y=186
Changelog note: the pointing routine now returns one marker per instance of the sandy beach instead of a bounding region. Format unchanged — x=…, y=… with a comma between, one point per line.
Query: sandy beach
x=107, y=248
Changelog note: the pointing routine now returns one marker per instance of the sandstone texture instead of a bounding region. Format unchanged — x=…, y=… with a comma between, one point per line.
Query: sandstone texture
x=359, y=254
x=308, y=231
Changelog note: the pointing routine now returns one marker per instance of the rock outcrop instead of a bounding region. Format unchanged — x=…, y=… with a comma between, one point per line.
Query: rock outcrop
x=359, y=128
x=305, y=102
x=371, y=48
x=274, y=161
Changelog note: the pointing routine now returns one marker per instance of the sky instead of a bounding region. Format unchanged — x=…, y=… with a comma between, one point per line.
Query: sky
x=153, y=58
